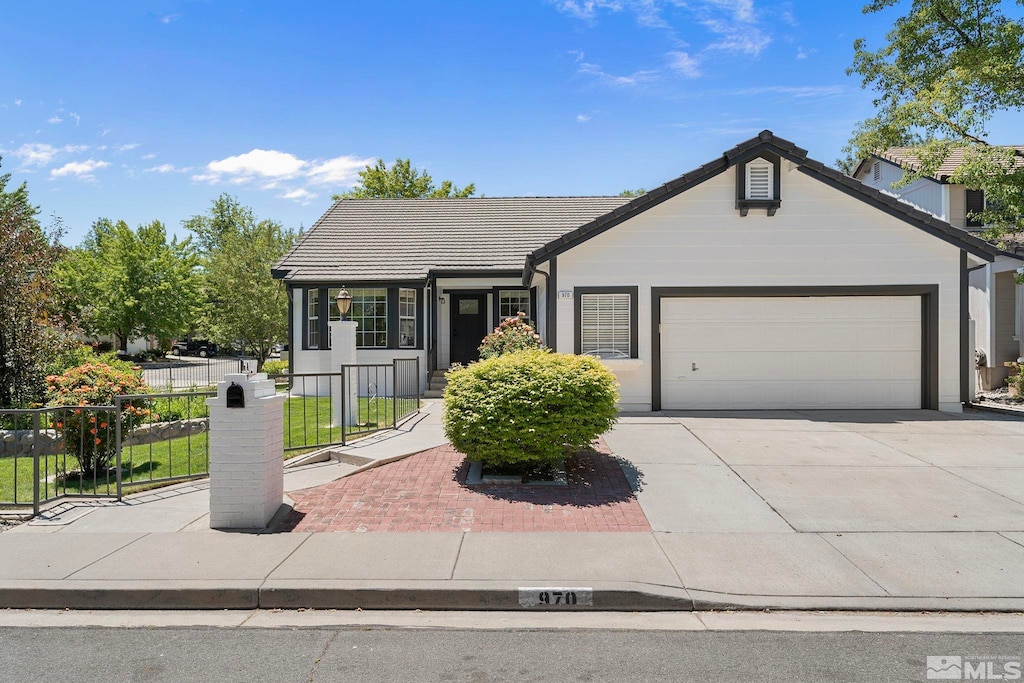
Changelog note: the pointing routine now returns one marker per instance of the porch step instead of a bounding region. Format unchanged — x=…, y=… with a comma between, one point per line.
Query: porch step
x=438, y=381
x=433, y=393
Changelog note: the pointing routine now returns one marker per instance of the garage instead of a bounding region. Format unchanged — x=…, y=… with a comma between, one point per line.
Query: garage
x=724, y=350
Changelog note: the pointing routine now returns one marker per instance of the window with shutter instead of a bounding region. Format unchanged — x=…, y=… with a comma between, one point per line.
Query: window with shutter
x=605, y=325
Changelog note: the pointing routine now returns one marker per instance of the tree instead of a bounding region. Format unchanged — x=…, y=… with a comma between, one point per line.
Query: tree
x=248, y=306
x=633, y=193
x=947, y=68
x=402, y=181
x=132, y=283
x=31, y=331
x=245, y=305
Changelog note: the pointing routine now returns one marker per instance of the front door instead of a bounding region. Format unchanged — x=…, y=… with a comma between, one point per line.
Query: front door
x=469, y=326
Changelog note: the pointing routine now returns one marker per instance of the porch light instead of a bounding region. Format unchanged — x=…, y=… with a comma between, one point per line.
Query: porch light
x=344, y=300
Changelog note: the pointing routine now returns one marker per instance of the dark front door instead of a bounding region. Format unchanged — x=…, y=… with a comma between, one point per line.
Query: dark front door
x=469, y=326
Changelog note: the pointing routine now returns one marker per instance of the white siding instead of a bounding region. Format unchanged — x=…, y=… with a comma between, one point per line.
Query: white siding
x=819, y=236
x=925, y=194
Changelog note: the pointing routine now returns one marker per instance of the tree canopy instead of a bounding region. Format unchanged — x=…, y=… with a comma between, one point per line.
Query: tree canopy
x=948, y=67
x=402, y=181
x=31, y=330
x=132, y=283
x=633, y=193
x=245, y=306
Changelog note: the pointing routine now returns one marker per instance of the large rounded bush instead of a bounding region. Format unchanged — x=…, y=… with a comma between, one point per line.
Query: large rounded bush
x=528, y=407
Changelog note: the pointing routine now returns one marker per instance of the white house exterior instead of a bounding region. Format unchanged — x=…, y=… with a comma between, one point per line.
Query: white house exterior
x=762, y=279
x=996, y=300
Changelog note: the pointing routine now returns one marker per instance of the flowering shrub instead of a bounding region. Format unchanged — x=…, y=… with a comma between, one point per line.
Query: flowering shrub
x=528, y=407
x=89, y=435
x=513, y=334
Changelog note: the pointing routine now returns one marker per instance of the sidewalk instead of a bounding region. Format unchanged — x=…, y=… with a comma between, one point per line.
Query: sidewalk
x=742, y=512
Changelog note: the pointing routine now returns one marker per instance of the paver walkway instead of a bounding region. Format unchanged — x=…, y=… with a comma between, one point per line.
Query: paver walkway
x=426, y=492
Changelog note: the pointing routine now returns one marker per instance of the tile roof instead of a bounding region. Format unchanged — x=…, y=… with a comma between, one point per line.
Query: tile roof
x=905, y=158
x=405, y=239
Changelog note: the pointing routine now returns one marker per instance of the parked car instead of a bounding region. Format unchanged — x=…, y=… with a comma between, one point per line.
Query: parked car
x=194, y=347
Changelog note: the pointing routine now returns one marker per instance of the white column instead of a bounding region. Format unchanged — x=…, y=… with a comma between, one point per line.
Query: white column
x=343, y=352
x=246, y=454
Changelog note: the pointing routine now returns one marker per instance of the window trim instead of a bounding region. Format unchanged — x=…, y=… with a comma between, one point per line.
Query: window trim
x=415, y=316
x=496, y=302
x=634, y=314
x=392, y=314
x=305, y=318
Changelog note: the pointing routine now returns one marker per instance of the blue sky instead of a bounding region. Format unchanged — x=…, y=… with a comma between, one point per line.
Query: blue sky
x=144, y=110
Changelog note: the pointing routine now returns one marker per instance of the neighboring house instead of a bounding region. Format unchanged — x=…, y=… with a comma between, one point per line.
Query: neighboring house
x=762, y=279
x=996, y=300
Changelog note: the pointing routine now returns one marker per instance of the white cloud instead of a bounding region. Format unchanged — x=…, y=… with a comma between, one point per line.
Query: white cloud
x=151, y=155
x=270, y=169
x=76, y=117
x=683, y=64
x=125, y=148
x=635, y=78
x=79, y=169
x=341, y=170
x=166, y=168
x=17, y=103
x=55, y=119
x=168, y=18
x=41, y=153
x=799, y=91
x=300, y=195
x=582, y=118
x=801, y=53
x=586, y=9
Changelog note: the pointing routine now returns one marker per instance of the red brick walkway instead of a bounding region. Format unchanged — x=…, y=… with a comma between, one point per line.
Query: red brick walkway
x=425, y=492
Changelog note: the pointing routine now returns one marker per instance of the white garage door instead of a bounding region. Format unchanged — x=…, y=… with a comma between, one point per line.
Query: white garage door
x=791, y=352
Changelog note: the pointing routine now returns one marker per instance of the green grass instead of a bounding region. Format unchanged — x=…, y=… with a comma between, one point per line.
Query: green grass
x=307, y=426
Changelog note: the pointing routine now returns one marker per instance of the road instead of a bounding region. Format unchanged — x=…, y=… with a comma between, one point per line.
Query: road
x=389, y=653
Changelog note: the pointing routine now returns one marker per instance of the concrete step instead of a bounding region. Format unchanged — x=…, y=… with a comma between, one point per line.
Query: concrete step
x=433, y=393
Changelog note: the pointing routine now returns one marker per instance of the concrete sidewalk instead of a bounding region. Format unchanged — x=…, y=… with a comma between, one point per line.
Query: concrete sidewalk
x=912, y=511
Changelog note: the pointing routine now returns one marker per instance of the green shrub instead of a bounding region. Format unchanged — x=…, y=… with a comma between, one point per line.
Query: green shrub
x=528, y=407
x=275, y=367
x=89, y=437
x=513, y=334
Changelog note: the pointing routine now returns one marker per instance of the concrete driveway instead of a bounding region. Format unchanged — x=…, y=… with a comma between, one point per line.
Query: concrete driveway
x=833, y=502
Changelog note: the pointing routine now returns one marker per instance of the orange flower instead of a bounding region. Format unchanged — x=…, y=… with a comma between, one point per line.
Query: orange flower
x=92, y=431
x=103, y=425
x=97, y=442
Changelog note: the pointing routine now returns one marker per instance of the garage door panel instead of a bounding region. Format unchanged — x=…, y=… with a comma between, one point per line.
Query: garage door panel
x=791, y=352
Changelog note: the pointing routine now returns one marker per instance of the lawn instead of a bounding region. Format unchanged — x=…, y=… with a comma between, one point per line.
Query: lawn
x=306, y=428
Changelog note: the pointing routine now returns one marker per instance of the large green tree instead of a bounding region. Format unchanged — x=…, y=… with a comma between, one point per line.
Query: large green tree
x=946, y=69
x=245, y=305
x=132, y=283
x=402, y=181
x=31, y=329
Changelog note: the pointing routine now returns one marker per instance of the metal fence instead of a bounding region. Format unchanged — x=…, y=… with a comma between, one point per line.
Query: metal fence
x=177, y=374
x=330, y=409
x=97, y=451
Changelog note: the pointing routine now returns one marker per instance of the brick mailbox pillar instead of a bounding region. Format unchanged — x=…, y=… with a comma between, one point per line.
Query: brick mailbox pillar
x=246, y=452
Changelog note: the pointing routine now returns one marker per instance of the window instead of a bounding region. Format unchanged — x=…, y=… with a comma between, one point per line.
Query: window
x=512, y=302
x=407, y=318
x=606, y=325
x=370, y=310
x=759, y=180
x=313, y=318
x=975, y=204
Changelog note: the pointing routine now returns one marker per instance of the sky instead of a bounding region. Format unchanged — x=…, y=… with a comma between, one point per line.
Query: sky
x=147, y=110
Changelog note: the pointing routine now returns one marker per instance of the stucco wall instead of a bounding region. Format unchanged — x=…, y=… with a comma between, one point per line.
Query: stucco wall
x=819, y=236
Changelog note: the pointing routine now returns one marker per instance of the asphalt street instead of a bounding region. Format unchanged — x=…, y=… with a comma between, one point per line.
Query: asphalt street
x=387, y=654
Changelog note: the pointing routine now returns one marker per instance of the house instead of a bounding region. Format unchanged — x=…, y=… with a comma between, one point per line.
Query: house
x=996, y=300
x=762, y=279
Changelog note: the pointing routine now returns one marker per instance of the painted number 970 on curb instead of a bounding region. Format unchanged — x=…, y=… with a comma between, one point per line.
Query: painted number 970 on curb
x=555, y=596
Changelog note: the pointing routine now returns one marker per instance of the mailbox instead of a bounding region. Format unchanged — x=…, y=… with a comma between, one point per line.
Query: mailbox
x=235, y=396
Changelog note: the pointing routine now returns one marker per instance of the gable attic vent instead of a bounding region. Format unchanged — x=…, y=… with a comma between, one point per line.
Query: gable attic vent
x=876, y=172
x=759, y=180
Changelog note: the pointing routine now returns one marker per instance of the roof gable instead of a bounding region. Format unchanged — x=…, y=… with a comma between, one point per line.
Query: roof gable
x=765, y=142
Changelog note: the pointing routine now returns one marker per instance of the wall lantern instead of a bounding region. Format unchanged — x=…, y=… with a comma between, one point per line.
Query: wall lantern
x=344, y=301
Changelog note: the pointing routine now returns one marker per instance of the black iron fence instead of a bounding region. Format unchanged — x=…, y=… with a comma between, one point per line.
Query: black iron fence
x=98, y=451
x=152, y=439
x=188, y=373
x=330, y=409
